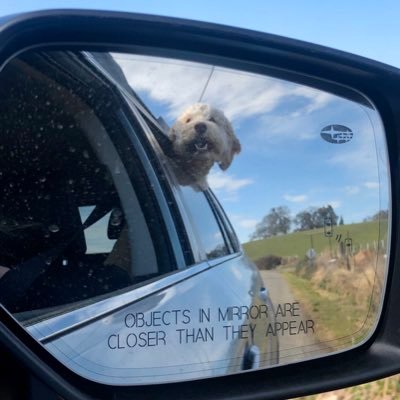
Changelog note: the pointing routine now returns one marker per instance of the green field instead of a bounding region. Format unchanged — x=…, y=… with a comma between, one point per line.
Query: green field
x=297, y=243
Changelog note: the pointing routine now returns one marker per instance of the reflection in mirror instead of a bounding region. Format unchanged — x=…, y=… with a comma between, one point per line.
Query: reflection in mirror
x=163, y=220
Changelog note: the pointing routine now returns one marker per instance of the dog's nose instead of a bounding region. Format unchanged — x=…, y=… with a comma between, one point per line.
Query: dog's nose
x=200, y=128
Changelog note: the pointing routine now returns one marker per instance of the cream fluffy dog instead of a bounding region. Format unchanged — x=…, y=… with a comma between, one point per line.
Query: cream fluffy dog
x=200, y=137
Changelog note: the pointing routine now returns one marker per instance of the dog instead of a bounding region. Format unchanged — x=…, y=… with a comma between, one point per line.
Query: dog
x=200, y=137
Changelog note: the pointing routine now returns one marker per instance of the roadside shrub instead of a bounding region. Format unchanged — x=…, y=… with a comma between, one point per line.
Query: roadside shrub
x=268, y=262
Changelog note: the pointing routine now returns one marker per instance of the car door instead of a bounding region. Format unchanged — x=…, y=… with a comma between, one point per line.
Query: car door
x=141, y=279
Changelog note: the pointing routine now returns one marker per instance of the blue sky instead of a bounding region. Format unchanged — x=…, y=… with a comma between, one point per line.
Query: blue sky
x=366, y=27
x=261, y=177
x=284, y=160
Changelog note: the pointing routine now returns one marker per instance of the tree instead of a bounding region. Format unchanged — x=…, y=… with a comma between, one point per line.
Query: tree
x=305, y=220
x=323, y=214
x=276, y=222
x=313, y=218
x=341, y=222
x=380, y=215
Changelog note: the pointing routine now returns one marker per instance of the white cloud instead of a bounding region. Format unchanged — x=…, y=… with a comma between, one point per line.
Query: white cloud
x=298, y=126
x=218, y=236
x=371, y=185
x=301, y=198
x=242, y=95
x=174, y=84
x=248, y=223
x=351, y=190
x=220, y=181
x=244, y=226
x=177, y=84
x=227, y=186
x=319, y=99
x=360, y=158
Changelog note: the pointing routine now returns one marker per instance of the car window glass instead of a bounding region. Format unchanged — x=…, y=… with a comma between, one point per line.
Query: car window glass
x=205, y=223
x=72, y=211
x=96, y=237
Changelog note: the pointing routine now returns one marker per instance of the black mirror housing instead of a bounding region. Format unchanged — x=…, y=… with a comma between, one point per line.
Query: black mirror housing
x=301, y=62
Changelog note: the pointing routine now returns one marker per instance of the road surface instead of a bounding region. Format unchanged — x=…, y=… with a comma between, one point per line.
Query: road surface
x=298, y=338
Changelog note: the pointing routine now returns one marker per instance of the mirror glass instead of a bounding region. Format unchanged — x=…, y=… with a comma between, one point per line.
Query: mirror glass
x=164, y=220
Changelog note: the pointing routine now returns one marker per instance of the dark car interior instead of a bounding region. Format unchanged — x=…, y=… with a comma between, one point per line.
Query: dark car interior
x=49, y=172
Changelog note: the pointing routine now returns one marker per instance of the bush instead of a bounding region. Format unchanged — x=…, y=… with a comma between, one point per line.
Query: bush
x=268, y=262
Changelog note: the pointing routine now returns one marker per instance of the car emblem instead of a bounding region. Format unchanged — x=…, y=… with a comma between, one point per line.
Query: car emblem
x=337, y=134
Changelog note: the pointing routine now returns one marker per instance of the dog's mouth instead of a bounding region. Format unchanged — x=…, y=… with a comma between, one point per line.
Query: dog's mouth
x=199, y=146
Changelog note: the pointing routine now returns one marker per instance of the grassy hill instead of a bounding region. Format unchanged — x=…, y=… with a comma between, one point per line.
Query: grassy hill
x=297, y=243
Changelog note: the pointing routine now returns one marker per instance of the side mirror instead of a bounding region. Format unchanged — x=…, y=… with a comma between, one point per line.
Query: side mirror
x=255, y=234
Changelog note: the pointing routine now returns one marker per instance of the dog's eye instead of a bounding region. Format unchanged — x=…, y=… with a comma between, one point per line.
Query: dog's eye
x=188, y=120
x=212, y=120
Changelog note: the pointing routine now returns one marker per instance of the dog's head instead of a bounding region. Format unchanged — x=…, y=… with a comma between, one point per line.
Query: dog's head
x=203, y=133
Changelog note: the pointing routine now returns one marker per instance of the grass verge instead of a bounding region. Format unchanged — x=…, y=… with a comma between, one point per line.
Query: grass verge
x=335, y=316
x=383, y=389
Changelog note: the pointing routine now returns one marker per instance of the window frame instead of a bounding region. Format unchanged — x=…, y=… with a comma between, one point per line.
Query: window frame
x=133, y=116
x=223, y=222
x=123, y=116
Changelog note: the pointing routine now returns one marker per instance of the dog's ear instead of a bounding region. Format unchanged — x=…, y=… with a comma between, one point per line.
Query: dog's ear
x=227, y=156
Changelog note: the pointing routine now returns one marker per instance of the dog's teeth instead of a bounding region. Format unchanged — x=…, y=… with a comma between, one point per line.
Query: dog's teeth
x=201, y=148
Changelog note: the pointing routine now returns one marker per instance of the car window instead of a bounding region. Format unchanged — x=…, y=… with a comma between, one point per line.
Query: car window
x=225, y=224
x=204, y=223
x=78, y=212
x=96, y=238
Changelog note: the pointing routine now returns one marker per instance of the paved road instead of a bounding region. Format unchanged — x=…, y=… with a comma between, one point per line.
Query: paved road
x=300, y=341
